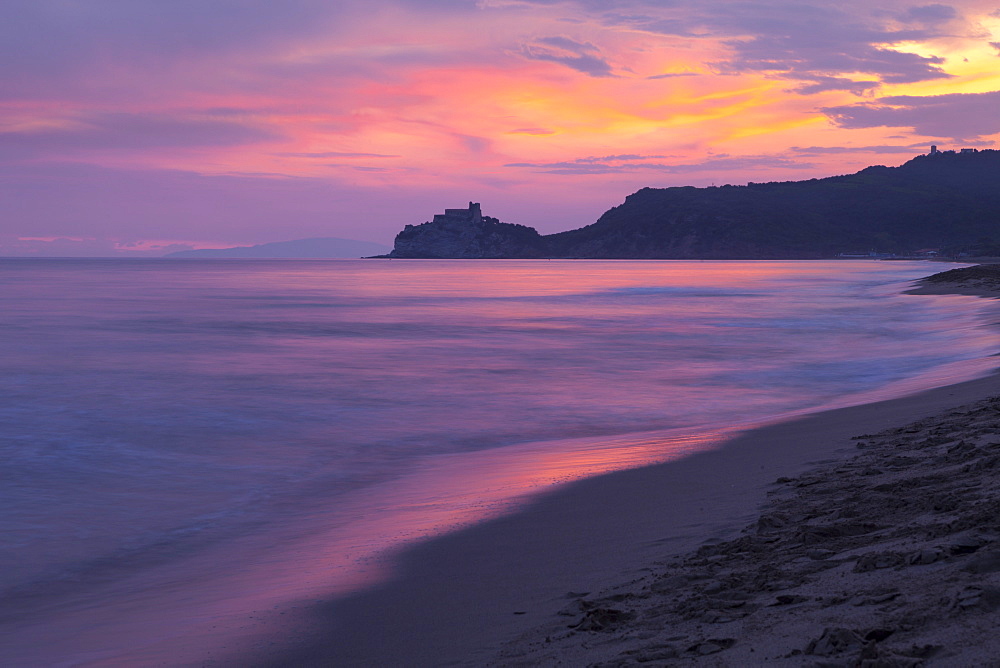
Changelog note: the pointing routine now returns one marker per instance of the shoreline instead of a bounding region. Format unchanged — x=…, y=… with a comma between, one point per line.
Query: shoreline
x=888, y=558
x=493, y=593
x=457, y=599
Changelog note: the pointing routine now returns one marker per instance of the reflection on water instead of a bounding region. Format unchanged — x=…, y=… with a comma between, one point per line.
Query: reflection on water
x=271, y=427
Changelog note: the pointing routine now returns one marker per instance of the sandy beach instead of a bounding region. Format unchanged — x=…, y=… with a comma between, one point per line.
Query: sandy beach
x=889, y=558
x=859, y=536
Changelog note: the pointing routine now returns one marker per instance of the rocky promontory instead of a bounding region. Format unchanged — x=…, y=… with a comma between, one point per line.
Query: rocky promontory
x=467, y=233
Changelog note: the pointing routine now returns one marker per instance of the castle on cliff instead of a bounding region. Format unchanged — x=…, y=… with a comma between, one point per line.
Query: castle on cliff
x=472, y=215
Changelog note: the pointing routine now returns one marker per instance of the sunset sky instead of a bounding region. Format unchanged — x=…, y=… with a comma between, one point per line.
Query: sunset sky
x=144, y=126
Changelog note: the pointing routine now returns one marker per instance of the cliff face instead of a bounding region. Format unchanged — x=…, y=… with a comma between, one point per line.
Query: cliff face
x=949, y=201
x=461, y=234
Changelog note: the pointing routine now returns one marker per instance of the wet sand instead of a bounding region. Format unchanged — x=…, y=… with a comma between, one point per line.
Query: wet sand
x=792, y=543
x=889, y=558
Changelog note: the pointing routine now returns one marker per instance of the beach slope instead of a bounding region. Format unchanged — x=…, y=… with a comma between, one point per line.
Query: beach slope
x=795, y=542
x=518, y=580
x=891, y=557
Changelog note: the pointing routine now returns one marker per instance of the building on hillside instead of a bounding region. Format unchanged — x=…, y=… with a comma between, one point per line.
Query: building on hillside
x=935, y=151
x=472, y=215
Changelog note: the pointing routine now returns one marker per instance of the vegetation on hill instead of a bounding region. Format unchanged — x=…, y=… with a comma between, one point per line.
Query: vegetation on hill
x=949, y=201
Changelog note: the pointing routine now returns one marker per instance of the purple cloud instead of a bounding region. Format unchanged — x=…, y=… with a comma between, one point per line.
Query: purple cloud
x=818, y=84
x=580, y=56
x=105, y=49
x=818, y=59
x=958, y=116
x=122, y=131
x=930, y=14
x=819, y=43
x=61, y=40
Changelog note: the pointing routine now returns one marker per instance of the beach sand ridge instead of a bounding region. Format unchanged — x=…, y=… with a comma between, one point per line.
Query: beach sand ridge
x=890, y=558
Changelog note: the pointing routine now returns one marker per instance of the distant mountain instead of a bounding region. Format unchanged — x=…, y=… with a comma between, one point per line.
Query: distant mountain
x=321, y=247
x=948, y=201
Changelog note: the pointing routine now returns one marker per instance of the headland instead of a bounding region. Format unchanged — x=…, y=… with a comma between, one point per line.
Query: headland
x=943, y=203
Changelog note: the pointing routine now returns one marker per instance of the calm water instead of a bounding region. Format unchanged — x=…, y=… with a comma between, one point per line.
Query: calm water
x=173, y=430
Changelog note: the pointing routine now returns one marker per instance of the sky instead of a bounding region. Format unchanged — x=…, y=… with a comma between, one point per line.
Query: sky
x=140, y=127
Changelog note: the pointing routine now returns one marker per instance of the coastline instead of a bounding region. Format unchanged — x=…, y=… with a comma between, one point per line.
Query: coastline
x=457, y=599
x=493, y=593
x=888, y=558
x=820, y=334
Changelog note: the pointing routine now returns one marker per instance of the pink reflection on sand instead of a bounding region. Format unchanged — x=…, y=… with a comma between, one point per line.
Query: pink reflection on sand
x=230, y=597
x=481, y=486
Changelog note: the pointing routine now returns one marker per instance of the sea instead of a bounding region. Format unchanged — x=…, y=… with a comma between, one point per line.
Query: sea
x=192, y=445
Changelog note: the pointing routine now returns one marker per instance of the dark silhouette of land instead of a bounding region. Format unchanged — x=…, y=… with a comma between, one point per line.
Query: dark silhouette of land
x=941, y=203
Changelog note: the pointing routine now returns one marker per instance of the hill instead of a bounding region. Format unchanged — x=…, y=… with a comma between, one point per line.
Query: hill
x=320, y=247
x=467, y=233
x=948, y=201
x=932, y=201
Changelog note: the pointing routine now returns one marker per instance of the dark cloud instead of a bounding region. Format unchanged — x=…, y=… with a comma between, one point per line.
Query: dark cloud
x=580, y=56
x=958, y=116
x=996, y=45
x=122, y=131
x=587, y=166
